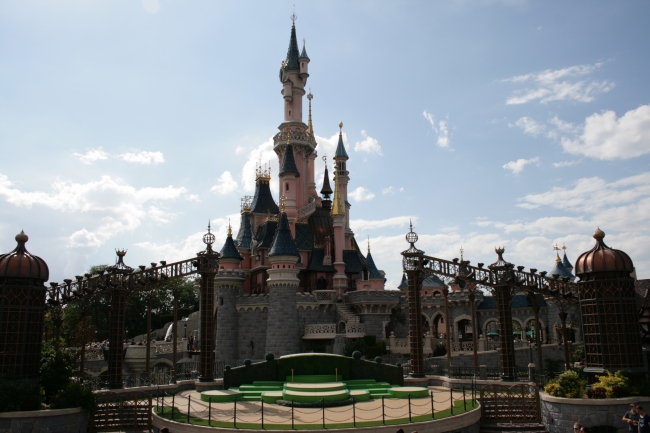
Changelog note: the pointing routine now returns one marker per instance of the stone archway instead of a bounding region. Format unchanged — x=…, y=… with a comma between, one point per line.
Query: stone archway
x=462, y=330
x=529, y=325
x=438, y=325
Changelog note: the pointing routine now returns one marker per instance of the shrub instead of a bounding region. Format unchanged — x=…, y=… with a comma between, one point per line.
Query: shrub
x=356, y=354
x=614, y=385
x=247, y=362
x=270, y=357
x=579, y=353
x=440, y=349
x=74, y=394
x=56, y=369
x=19, y=394
x=568, y=385
x=378, y=359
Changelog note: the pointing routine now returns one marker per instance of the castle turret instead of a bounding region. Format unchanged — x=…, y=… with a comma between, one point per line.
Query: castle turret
x=565, y=261
x=342, y=175
x=326, y=190
x=282, y=333
x=228, y=284
x=559, y=268
x=338, y=217
x=288, y=175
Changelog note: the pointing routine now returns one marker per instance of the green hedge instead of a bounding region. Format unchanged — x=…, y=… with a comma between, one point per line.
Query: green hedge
x=311, y=364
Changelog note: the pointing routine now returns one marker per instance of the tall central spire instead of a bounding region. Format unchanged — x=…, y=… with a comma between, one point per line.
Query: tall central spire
x=292, y=53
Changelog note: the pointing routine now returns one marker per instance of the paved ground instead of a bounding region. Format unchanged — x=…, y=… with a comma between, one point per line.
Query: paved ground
x=251, y=412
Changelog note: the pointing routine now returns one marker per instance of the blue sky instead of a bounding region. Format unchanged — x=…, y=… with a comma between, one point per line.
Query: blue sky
x=130, y=124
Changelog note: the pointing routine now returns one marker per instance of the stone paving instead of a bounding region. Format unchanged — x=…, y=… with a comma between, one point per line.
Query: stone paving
x=251, y=412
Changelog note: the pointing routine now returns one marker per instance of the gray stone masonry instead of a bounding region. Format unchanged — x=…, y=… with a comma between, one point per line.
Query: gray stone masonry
x=227, y=285
x=40, y=421
x=252, y=329
x=559, y=414
x=282, y=330
x=375, y=325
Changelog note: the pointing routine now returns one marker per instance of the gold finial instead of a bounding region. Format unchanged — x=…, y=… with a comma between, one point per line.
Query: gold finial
x=246, y=203
x=557, y=255
x=368, y=244
x=341, y=127
x=263, y=173
x=282, y=205
x=310, y=127
x=461, y=253
x=229, y=229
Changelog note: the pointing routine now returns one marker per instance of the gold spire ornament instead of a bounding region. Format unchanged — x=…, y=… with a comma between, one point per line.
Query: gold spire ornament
x=282, y=205
x=310, y=127
x=337, y=207
x=557, y=255
x=229, y=229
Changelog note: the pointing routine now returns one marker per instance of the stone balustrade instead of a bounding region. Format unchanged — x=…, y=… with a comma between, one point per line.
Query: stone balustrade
x=325, y=296
x=355, y=330
x=318, y=331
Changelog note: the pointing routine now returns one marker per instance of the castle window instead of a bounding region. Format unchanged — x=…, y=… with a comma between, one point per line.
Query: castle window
x=286, y=186
x=220, y=301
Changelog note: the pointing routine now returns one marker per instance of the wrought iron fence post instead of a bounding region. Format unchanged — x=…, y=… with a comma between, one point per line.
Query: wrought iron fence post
x=451, y=398
x=235, y=414
x=209, y=412
x=464, y=400
x=189, y=399
x=383, y=414
x=433, y=414
x=410, y=420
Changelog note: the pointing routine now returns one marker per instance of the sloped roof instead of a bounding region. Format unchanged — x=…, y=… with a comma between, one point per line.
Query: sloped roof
x=263, y=200
x=289, y=162
x=229, y=250
x=321, y=226
x=353, y=261
x=560, y=270
x=340, y=148
x=316, y=262
x=265, y=233
x=518, y=301
x=245, y=235
x=432, y=281
x=372, y=268
x=404, y=284
x=304, y=238
x=292, y=53
x=567, y=264
x=283, y=243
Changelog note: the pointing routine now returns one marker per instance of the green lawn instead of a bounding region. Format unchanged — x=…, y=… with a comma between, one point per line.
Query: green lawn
x=180, y=417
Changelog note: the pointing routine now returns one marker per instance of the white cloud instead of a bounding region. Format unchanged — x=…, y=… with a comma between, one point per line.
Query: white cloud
x=518, y=166
x=564, y=164
x=239, y=150
x=116, y=206
x=368, y=145
x=151, y=6
x=529, y=126
x=142, y=157
x=361, y=194
x=265, y=155
x=559, y=85
x=225, y=184
x=400, y=221
x=441, y=128
x=179, y=250
x=606, y=137
x=91, y=156
x=391, y=190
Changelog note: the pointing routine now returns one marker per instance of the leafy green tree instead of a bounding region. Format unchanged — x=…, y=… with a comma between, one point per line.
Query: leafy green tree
x=56, y=369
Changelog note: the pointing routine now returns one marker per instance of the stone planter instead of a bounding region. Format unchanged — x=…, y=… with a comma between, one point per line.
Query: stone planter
x=559, y=414
x=54, y=421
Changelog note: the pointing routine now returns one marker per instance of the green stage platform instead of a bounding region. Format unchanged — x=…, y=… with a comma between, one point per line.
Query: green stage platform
x=314, y=388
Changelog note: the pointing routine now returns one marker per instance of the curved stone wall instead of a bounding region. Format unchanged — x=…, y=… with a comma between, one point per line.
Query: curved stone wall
x=559, y=414
x=54, y=421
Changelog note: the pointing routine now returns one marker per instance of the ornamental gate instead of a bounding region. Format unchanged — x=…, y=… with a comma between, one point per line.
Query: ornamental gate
x=516, y=403
x=121, y=412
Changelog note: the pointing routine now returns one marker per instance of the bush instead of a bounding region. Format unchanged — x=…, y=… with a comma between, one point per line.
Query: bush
x=56, y=370
x=579, y=353
x=568, y=385
x=378, y=359
x=74, y=394
x=614, y=385
x=356, y=354
x=270, y=357
x=440, y=349
x=19, y=394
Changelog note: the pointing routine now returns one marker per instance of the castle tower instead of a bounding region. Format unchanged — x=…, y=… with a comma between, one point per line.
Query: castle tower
x=342, y=176
x=338, y=216
x=293, y=131
x=288, y=181
x=228, y=284
x=282, y=333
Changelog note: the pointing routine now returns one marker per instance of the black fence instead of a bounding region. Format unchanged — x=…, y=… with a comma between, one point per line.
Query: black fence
x=183, y=407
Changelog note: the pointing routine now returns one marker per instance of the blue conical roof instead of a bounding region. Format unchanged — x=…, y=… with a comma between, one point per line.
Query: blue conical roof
x=303, y=54
x=289, y=162
x=404, y=284
x=567, y=264
x=372, y=268
x=340, y=149
x=229, y=250
x=245, y=234
x=560, y=270
x=292, y=53
x=283, y=243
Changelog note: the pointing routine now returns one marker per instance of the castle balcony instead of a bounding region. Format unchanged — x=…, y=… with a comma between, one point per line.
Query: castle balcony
x=328, y=331
x=325, y=296
x=297, y=137
x=320, y=331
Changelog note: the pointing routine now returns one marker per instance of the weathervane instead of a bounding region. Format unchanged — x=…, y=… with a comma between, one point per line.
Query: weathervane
x=293, y=16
